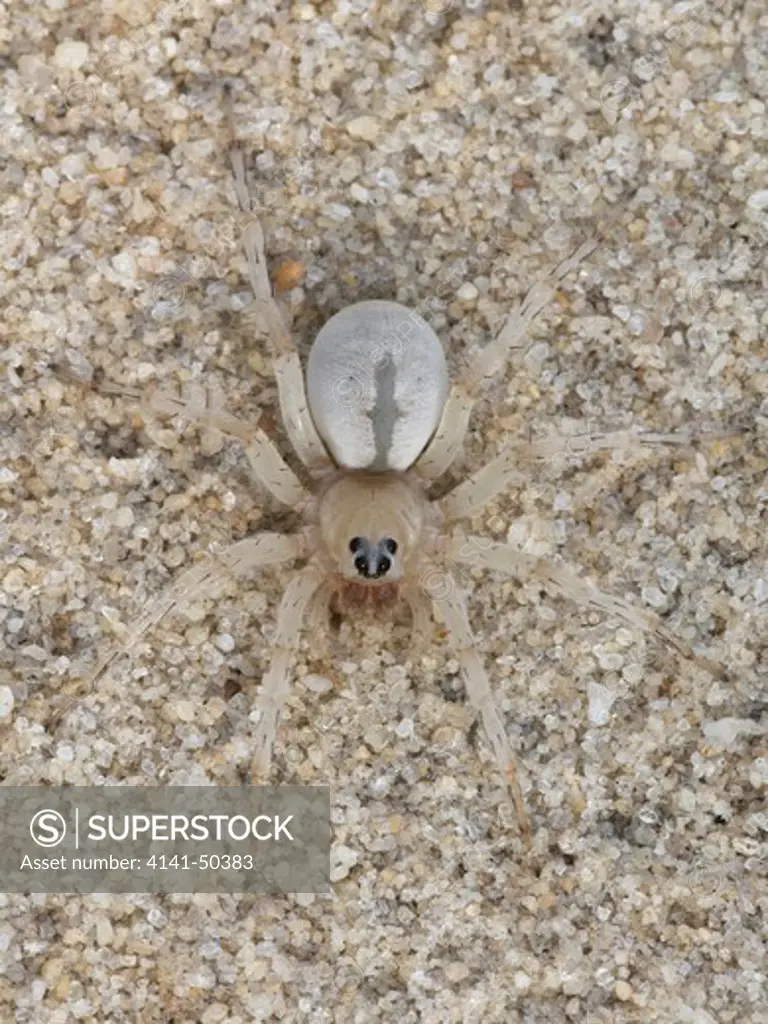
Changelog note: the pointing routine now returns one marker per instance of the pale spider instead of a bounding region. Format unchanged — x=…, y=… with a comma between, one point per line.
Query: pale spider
x=372, y=535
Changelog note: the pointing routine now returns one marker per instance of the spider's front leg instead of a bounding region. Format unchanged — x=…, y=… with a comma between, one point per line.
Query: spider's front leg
x=505, y=558
x=317, y=623
x=274, y=688
x=287, y=365
x=451, y=604
x=490, y=362
x=421, y=620
x=203, y=405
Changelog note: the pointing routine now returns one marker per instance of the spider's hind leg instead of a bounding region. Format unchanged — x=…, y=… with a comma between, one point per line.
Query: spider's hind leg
x=422, y=625
x=561, y=579
x=452, y=606
x=261, y=551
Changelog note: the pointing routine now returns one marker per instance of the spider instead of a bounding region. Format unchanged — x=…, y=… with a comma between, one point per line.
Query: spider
x=375, y=422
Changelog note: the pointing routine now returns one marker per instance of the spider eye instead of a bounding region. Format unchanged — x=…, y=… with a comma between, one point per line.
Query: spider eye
x=391, y=545
x=355, y=544
x=361, y=564
x=384, y=565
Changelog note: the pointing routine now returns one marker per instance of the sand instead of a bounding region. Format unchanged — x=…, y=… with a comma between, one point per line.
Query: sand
x=443, y=155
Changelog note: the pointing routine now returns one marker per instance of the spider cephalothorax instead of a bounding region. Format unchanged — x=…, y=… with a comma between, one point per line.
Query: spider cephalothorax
x=375, y=527
x=374, y=424
x=375, y=533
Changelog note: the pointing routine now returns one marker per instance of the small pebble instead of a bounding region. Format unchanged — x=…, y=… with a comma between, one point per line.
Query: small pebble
x=623, y=991
x=6, y=701
x=317, y=684
x=343, y=859
x=289, y=275
x=14, y=581
x=467, y=292
x=65, y=753
x=186, y=710
x=726, y=731
x=654, y=597
x=456, y=972
x=225, y=643
x=124, y=264
x=600, y=702
x=365, y=127
x=104, y=931
x=124, y=517
x=70, y=54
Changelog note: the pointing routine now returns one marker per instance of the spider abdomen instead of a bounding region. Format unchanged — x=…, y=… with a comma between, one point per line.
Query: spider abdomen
x=376, y=385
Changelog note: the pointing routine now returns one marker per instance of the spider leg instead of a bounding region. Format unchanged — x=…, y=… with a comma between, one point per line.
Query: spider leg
x=421, y=620
x=318, y=621
x=503, y=471
x=452, y=606
x=203, y=406
x=501, y=557
x=274, y=687
x=258, y=552
x=287, y=365
x=489, y=362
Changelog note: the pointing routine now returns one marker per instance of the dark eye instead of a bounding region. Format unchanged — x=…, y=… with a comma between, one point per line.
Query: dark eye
x=355, y=544
x=391, y=546
x=361, y=565
x=384, y=565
